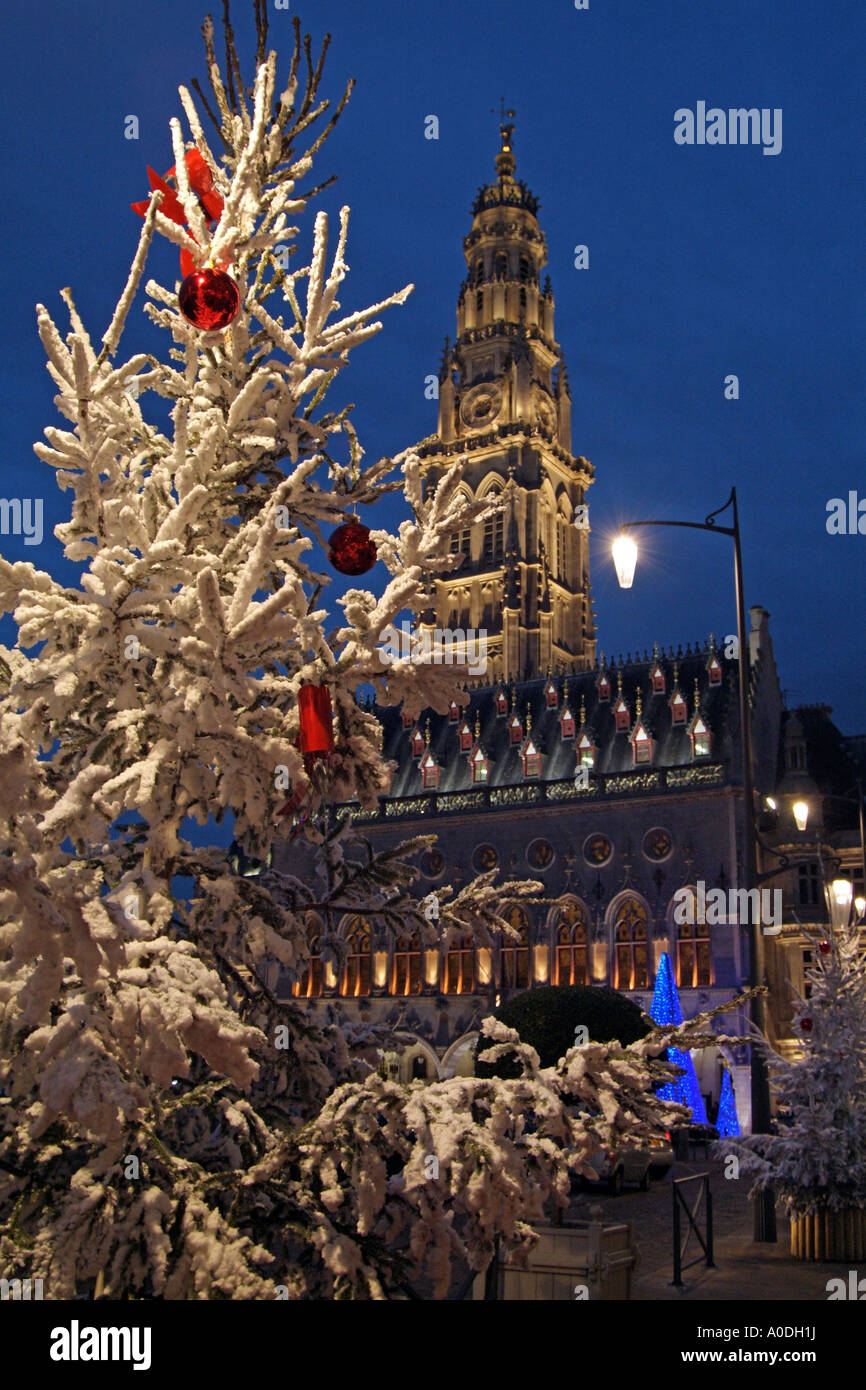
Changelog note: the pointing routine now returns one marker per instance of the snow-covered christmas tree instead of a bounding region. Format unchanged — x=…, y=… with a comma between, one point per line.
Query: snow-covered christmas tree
x=168, y=1128
x=817, y=1160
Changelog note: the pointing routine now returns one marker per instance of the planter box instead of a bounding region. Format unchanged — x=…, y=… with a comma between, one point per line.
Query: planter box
x=829, y=1235
x=586, y=1252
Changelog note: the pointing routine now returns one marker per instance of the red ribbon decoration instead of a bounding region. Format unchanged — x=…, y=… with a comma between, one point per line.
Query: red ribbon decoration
x=202, y=184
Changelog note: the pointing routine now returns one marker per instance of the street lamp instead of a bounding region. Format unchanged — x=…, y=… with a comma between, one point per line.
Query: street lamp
x=624, y=561
x=800, y=810
x=840, y=894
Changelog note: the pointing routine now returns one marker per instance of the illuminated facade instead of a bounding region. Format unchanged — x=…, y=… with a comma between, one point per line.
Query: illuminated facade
x=615, y=783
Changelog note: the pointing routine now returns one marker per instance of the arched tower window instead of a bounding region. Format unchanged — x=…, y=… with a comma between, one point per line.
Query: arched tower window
x=358, y=973
x=494, y=531
x=630, y=944
x=515, y=954
x=571, y=945
x=479, y=302
x=500, y=265
x=406, y=976
x=524, y=270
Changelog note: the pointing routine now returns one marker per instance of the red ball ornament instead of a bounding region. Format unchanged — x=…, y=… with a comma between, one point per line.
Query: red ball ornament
x=350, y=549
x=824, y=947
x=209, y=299
x=806, y=1025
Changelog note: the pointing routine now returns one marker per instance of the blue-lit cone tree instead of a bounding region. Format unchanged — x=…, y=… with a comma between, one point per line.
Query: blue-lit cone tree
x=667, y=1013
x=726, y=1121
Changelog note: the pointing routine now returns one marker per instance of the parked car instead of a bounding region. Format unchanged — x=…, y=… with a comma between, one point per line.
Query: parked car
x=629, y=1163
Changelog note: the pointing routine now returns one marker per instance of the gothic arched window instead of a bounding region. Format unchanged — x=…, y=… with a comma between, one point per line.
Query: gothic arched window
x=515, y=953
x=500, y=265
x=630, y=944
x=571, y=945
x=406, y=976
x=524, y=269
x=460, y=967
x=358, y=972
x=309, y=986
x=494, y=531
x=694, y=957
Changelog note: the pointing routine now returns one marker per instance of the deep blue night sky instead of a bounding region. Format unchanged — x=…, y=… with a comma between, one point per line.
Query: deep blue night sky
x=704, y=261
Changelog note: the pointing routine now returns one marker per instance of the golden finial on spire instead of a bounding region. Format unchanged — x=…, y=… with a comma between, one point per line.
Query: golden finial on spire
x=427, y=734
x=676, y=672
x=477, y=726
x=582, y=711
x=638, y=703
x=619, y=682
x=528, y=718
x=697, y=695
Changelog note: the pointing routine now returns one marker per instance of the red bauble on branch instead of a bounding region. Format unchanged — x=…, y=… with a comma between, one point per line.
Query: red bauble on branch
x=806, y=1025
x=350, y=549
x=824, y=947
x=316, y=737
x=209, y=300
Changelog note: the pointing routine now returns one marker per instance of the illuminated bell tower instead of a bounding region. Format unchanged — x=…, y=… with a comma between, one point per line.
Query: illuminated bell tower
x=505, y=409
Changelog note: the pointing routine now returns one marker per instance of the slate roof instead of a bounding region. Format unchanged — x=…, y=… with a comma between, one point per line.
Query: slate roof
x=672, y=744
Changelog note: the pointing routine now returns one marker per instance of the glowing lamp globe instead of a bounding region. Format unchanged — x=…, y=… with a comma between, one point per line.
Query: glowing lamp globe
x=800, y=811
x=839, y=899
x=624, y=552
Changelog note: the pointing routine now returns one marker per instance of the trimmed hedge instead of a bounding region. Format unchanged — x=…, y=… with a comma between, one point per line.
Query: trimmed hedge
x=546, y=1019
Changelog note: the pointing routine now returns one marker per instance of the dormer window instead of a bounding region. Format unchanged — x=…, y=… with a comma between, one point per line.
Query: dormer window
x=453, y=712
x=515, y=729
x=566, y=723
x=714, y=670
x=657, y=678
x=417, y=744
x=531, y=760
x=480, y=766
x=429, y=772
x=408, y=721
x=501, y=702
x=621, y=715
x=679, y=709
x=551, y=695
x=586, y=751
x=464, y=734
x=700, y=737
x=603, y=688
x=642, y=745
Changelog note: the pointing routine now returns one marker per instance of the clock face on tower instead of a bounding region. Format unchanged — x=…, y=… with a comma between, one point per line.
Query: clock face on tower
x=480, y=406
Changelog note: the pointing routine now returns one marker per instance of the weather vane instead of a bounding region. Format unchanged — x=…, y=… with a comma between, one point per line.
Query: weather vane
x=503, y=112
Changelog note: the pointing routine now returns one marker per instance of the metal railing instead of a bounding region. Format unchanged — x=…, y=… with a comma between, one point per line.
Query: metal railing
x=680, y=1205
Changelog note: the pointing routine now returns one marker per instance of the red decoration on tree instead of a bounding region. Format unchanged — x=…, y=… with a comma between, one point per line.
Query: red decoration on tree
x=350, y=549
x=824, y=947
x=201, y=183
x=316, y=738
x=806, y=1025
x=209, y=300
